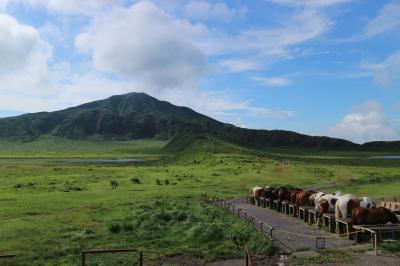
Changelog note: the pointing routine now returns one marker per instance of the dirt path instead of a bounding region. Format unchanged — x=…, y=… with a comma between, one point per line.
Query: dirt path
x=290, y=233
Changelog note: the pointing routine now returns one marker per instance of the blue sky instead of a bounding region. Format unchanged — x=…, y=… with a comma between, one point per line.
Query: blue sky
x=320, y=67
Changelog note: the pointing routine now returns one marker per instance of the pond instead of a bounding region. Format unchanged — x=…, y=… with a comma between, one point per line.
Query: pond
x=101, y=161
x=387, y=157
x=73, y=160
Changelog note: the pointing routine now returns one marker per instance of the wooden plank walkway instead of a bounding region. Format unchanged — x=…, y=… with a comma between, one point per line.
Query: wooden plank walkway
x=289, y=231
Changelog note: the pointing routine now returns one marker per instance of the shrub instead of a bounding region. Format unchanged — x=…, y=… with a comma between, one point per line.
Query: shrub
x=18, y=186
x=114, y=184
x=158, y=182
x=164, y=216
x=114, y=227
x=127, y=226
x=180, y=216
x=135, y=180
x=166, y=181
x=213, y=233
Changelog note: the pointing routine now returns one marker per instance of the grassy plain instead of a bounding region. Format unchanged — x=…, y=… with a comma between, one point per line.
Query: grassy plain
x=51, y=211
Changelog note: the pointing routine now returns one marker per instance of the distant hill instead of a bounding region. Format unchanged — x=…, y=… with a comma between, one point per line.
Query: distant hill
x=129, y=116
x=138, y=115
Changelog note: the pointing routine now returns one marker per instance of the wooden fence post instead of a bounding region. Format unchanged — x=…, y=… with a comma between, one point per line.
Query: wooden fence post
x=141, y=258
x=83, y=258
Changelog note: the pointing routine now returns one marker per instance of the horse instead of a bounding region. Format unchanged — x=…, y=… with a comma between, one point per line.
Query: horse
x=303, y=198
x=257, y=192
x=341, y=206
x=269, y=192
x=347, y=203
x=293, y=194
x=338, y=193
x=316, y=198
x=284, y=194
x=378, y=215
x=323, y=204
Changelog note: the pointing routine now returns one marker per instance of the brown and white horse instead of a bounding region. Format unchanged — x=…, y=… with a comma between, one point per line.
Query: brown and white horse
x=345, y=204
x=257, y=192
x=378, y=215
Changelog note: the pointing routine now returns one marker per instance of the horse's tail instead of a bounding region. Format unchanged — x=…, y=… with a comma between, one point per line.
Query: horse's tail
x=337, y=209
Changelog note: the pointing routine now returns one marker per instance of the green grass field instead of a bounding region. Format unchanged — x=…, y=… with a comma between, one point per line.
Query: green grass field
x=52, y=211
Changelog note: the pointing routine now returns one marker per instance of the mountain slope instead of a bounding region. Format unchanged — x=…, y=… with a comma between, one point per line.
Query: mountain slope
x=129, y=116
x=138, y=115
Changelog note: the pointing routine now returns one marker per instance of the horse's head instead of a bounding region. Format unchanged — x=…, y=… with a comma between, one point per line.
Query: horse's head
x=391, y=216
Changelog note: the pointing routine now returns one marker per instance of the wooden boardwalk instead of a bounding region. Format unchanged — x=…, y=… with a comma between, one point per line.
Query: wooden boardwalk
x=290, y=233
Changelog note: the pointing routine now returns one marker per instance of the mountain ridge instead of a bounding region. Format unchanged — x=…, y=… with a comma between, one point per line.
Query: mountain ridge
x=138, y=115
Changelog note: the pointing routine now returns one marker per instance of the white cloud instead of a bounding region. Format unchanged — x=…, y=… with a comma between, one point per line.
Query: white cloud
x=396, y=106
x=20, y=45
x=239, y=65
x=364, y=123
x=69, y=7
x=161, y=54
x=386, y=73
x=312, y=3
x=273, y=44
x=273, y=81
x=205, y=10
x=387, y=20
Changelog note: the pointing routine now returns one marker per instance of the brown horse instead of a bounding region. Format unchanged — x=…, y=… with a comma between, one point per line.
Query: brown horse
x=379, y=215
x=275, y=192
x=293, y=194
x=269, y=192
x=303, y=198
x=284, y=194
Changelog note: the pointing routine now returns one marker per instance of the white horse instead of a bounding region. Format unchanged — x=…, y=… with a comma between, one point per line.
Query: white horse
x=367, y=203
x=341, y=205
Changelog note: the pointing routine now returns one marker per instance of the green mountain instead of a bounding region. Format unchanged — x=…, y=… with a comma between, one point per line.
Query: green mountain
x=138, y=115
x=129, y=116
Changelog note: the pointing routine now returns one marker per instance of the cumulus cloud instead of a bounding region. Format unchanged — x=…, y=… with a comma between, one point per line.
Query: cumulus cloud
x=386, y=73
x=143, y=42
x=205, y=10
x=70, y=7
x=364, y=123
x=20, y=46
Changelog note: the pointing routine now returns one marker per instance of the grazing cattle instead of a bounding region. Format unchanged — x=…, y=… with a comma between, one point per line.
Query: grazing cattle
x=378, y=215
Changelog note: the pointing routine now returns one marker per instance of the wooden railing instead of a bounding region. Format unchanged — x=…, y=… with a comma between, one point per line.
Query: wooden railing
x=249, y=258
